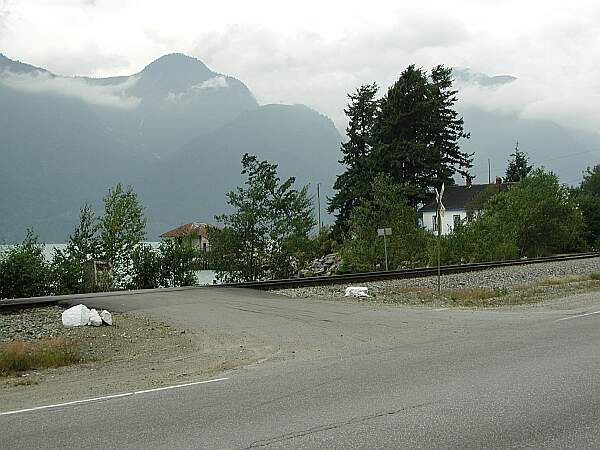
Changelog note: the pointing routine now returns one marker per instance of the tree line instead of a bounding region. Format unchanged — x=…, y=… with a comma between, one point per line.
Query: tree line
x=399, y=149
x=116, y=237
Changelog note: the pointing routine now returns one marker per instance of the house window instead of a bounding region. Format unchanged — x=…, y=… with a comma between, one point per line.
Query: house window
x=434, y=222
x=456, y=219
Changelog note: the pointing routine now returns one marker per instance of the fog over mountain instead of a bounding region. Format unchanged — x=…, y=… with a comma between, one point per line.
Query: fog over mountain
x=176, y=131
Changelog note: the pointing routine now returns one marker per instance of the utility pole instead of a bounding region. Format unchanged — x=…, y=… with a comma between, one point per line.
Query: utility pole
x=489, y=172
x=319, y=205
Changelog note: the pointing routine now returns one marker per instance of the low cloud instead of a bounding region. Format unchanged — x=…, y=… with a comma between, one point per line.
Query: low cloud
x=212, y=83
x=113, y=95
x=573, y=105
x=218, y=82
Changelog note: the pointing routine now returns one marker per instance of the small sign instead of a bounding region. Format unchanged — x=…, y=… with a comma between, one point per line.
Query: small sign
x=438, y=196
x=384, y=232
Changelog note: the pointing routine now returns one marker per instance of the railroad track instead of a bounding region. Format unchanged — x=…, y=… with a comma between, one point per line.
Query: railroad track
x=400, y=274
x=310, y=281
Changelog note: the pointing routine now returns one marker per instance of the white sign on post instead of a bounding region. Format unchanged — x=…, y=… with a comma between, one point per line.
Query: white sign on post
x=384, y=232
x=438, y=196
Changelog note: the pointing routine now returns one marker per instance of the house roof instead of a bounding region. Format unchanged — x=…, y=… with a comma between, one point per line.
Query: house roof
x=189, y=229
x=457, y=197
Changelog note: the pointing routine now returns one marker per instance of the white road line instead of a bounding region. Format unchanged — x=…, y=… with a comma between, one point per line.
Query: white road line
x=577, y=316
x=107, y=397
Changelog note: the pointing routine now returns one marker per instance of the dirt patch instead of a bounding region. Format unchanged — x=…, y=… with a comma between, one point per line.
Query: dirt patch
x=136, y=352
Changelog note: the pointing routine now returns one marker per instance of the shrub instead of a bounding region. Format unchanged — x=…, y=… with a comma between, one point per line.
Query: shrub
x=177, y=256
x=363, y=250
x=145, y=268
x=24, y=271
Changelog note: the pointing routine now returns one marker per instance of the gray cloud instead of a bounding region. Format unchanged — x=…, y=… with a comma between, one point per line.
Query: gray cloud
x=308, y=68
x=4, y=15
x=316, y=52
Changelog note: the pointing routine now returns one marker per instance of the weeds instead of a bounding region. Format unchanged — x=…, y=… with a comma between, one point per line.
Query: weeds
x=21, y=356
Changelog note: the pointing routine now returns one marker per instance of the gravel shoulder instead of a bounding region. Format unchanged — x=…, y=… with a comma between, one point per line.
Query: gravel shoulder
x=501, y=287
x=136, y=352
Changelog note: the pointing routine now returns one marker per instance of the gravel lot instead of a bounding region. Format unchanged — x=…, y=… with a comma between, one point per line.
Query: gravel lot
x=136, y=352
x=506, y=278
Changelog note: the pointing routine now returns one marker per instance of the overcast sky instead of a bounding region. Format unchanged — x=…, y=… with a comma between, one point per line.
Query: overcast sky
x=314, y=52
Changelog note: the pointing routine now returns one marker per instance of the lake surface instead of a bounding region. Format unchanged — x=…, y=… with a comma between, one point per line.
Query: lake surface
x=203, y=277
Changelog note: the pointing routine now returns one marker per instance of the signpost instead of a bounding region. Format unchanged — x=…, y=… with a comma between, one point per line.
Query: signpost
x=385, y=232
x=439, y=213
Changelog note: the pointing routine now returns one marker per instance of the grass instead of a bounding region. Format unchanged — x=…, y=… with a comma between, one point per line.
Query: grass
x=21, y=356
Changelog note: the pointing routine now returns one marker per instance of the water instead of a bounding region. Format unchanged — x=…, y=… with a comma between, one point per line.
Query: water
x=203, y=277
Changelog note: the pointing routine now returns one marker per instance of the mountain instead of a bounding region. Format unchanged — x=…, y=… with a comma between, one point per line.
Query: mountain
x=175, y=131
x=303, y=142
x=565, y=151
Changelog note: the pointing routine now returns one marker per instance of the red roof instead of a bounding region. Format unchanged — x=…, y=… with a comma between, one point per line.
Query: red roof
x=189, y=229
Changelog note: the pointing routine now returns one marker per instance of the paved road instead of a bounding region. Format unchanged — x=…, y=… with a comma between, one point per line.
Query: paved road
x=354, y=376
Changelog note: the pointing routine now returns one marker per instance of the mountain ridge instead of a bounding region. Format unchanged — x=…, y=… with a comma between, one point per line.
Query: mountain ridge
x=66, y=140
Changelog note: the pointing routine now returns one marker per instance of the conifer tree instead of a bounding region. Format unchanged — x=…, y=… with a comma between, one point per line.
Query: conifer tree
x=518, y=167
x=352, y=185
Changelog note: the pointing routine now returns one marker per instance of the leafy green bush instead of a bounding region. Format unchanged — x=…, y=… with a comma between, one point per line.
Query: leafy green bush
x=24, y=271
x=177, y=256
x=588, y=199
x=535, y=217
x=146, y=268
x=363, y=250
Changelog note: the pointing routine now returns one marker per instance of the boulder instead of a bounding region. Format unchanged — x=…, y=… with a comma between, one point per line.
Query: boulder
x=94, y=318
x=106, y=317
x=356, y=291
x=76, y=316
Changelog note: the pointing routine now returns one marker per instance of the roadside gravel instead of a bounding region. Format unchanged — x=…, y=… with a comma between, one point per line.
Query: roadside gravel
x=136, y=352
x=506, y=278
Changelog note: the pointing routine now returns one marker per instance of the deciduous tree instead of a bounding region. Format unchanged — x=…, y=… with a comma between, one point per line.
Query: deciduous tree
x=266, y=236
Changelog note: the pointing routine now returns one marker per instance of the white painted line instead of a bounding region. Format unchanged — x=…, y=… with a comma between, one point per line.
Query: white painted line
x=179, y=386
x=578, y=316
x=108, y=397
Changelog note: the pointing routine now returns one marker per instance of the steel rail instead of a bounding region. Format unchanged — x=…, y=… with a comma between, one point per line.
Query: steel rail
x=401, y=274
x=308, y=281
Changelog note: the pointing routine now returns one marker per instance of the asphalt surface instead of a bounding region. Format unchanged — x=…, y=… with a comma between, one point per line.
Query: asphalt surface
x=353, y=376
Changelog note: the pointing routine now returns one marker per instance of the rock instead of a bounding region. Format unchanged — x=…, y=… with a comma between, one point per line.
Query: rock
x=94, y=318
x=106, y=317
x=356, y=291
x=76, y=316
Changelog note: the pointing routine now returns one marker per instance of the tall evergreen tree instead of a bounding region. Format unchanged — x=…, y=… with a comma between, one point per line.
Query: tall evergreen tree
x=417, y=132
x=352, y=185
x=518, y=167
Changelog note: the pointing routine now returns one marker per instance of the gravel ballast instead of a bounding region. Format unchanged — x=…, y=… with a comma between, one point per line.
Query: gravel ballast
x=498, y=278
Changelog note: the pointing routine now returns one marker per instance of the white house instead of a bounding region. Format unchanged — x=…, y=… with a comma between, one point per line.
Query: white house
x=195, y=230
x=455, y=200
